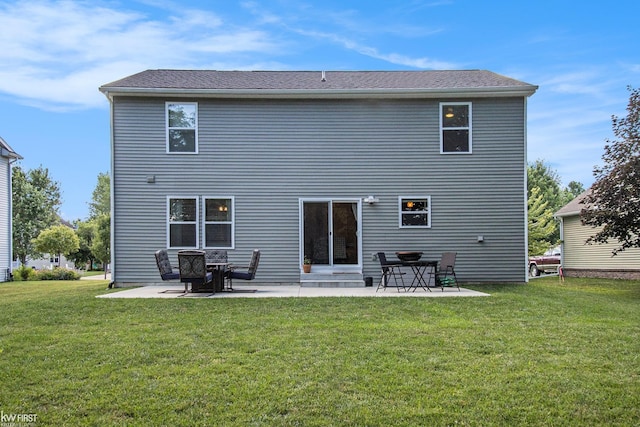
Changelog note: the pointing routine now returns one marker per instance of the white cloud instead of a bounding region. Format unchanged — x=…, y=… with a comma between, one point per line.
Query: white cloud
x=57, y=53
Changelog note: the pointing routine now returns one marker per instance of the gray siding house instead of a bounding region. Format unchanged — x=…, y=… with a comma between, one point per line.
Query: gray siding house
x=7, y=157
x=335, y=166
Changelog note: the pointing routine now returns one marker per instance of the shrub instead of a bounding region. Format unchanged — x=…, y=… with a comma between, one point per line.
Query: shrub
x=24, y=273
x=57, y=273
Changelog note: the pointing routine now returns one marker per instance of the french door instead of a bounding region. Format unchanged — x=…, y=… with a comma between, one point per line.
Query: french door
x=331, y=234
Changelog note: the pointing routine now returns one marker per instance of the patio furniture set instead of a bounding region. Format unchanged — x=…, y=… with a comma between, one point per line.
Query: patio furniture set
x=440, y=275
x=207, y=270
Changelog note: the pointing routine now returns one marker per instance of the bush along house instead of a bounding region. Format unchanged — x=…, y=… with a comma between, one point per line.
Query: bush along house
x=330, y=166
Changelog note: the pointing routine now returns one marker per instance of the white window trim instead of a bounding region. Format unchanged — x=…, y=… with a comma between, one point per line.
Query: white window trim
x=428, y=211
x=167, y=128
x=197, y=221
x=232, y=222
x=442, y=104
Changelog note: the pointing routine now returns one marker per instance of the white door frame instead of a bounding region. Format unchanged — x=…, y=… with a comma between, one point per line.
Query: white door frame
x=331, y=268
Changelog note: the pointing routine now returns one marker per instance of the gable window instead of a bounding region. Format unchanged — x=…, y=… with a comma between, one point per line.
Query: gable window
x=455, y=127
x=218, y=222
x=182, y=222
x=415, y=212
x=182, y=127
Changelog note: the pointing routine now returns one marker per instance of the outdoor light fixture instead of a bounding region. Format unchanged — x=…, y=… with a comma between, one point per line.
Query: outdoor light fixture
x=371, y=200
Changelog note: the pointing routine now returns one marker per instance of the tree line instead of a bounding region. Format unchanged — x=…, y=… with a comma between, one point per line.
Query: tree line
x=38, y=229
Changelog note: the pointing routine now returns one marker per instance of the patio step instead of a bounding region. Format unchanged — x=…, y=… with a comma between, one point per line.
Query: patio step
x=336, y=280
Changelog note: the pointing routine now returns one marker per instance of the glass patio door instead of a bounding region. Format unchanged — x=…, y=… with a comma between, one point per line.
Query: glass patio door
x=330, y=233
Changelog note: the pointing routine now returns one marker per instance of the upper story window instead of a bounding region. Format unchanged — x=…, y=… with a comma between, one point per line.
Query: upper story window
x=182, y=127
x=455, y=127
x=218, y=223
x=415, y=212
x=182, y=222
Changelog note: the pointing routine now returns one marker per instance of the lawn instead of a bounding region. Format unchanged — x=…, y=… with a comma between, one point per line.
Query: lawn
x=539, y=354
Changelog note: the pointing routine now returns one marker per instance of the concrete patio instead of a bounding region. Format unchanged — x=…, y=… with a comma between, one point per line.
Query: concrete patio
x=283, y=291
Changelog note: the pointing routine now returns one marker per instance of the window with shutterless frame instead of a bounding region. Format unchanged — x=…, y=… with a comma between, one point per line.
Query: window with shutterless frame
x=455, y=128
x=218, y=222
x=414, y=211
x=182, y=222
x=182, y=127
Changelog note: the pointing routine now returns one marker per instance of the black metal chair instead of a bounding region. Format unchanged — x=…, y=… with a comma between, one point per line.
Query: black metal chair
x=215, y=255
x=250, y=272
x=390, y=270
x=193, y=269
x=445, y=274
x=167, y=272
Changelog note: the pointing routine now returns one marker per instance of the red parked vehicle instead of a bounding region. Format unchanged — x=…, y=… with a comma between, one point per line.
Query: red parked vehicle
x=546, y=263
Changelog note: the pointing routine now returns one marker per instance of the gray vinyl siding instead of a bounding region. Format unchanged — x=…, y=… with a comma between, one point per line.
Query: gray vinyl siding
x=578, y=255
x=268, y=154
x=5, y=218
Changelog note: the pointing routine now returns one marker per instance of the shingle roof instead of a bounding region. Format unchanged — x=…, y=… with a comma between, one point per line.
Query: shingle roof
x=7, y=151
x=334, y=81
x=574, y=207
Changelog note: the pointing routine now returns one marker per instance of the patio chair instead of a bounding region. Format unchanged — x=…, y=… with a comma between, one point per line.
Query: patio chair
x=193, y=269
x=167, y=272
x=215, y=255
x=445, y=274
x=250, y=272
x=390, y=270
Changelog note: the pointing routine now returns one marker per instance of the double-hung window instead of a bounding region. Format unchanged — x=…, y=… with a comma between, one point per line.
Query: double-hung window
x=182, y=222
x=415, y=212
x=218, y=222
x=182, y=127
x=455, y=127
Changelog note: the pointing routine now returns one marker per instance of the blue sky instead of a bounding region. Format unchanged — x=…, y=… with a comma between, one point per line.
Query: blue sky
x=55, y=55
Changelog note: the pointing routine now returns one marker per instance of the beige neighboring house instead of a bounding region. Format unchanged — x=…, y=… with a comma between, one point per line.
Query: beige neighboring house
x=582, y=260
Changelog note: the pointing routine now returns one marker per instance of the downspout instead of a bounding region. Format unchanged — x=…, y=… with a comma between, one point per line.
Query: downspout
x=10, y=202
x=561, y=220
x=526, y=203
x=111, y=190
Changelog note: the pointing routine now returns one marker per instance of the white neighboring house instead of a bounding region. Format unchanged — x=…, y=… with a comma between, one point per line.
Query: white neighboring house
x=7, y=158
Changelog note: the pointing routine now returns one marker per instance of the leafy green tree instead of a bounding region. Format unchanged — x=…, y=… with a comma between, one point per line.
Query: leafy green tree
x=35, y=198
x=614, y=201
x=573, y=190
x=85, y=230
x=101, y=197
x=101, y=244
x=542, y=225
x=547, y=180
x=540, y=175
x=57, y=240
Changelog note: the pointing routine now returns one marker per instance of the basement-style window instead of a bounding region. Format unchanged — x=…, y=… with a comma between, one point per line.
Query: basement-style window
x=182, y=222
x=455, y=127
x=218, y=222
x=415, y=212
x=182, y=127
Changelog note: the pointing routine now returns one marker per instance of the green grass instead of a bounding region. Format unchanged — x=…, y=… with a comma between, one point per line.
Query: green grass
x=539, y=354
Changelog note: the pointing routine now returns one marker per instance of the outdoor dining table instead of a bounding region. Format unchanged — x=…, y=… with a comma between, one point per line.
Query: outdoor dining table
x=418, y=266
x=419, y=269
x=218, y=269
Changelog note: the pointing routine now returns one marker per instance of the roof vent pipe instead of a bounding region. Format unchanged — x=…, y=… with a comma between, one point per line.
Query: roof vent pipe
x=324, y=78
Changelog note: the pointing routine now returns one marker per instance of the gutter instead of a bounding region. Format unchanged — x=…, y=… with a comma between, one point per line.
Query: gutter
x=412, y=93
